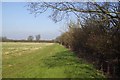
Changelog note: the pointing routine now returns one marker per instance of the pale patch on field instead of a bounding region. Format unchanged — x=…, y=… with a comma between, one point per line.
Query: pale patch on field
x=19, y=54
x=49, y=44
x=35, y=48
x=19, y=48
x=6, y=53
x=10, y=65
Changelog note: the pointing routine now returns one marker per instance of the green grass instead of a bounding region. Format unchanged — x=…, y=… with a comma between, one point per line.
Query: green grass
x=48, y=61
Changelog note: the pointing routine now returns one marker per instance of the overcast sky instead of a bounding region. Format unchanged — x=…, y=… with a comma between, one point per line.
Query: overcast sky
x=17, y=23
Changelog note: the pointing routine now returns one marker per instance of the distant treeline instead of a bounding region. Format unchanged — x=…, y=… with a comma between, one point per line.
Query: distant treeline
x=10, y=40
x=30, y=39
x=48, y=41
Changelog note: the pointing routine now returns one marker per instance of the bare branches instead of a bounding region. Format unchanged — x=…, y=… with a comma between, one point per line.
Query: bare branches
x=67, y=7
x=107, y=11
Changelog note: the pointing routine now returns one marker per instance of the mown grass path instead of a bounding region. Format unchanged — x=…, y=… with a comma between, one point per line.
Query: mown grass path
x=49, y=61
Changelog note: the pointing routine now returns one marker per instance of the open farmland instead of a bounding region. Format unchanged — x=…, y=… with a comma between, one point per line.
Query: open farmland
x=43, y=60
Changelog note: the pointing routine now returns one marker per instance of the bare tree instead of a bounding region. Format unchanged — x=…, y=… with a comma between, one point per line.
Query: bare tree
x=30, y=38
x=37, y=37
x=4, y=38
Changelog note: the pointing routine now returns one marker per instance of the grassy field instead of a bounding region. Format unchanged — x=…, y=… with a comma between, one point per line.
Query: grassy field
x=43, y=60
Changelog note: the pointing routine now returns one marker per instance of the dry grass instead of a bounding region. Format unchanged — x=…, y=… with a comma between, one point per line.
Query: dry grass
x=17, y=49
